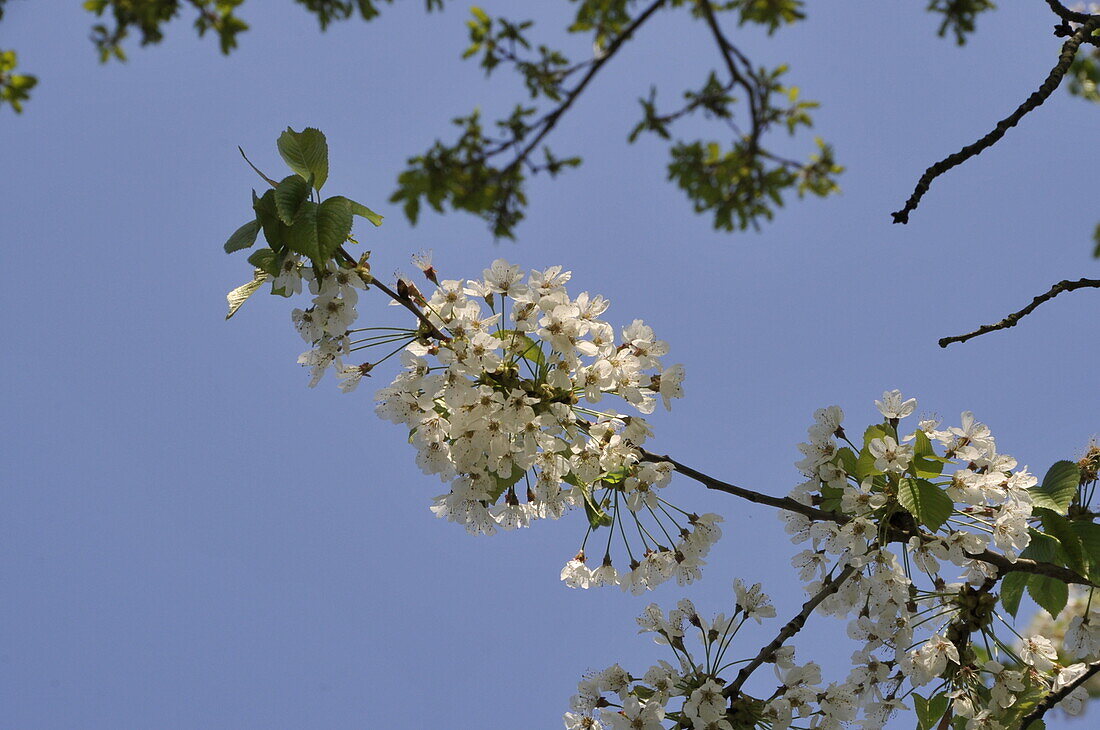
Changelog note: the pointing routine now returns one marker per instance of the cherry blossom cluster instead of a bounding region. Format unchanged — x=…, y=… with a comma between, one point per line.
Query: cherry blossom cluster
x=508, y=408
x=941, y=496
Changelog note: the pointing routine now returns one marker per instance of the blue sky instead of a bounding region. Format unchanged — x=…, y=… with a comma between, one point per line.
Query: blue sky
x=192, y=538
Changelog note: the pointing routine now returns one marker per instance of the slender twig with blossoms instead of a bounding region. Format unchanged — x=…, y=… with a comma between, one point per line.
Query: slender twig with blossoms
x=530, y=405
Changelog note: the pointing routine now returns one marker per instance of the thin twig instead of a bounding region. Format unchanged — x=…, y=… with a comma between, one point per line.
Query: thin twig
x=791, y=628
x=1013, y=319
x=727, y=49
x=403, y=301
x=550, y=120
x=1054, y=78
x=1054, y=698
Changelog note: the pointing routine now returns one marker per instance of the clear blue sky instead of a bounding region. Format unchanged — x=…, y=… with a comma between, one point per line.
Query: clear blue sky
x=192, y=538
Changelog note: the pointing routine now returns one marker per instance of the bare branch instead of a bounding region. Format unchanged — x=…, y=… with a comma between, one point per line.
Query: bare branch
x=1013, y=319
x=1054, y=78
x=1066, y=14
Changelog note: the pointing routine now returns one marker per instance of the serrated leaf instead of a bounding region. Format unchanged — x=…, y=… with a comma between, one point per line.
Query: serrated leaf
x=1070, y=550
x=597, y=518
x=502, y=483
x=929, y=711
x=1089, y=534
x=1050, y=593
x=240, y=295
x=319, y=230
x=1059, y=487
x=865, y=464
x=362, y=211
x=846, y=459
x=1012, y=590
x=530, y=350
x=266, y=260
x=291, y=192
x=926, y=463
x=243, y=237
x=275, y=231
x=929, y=504
x=306, y=153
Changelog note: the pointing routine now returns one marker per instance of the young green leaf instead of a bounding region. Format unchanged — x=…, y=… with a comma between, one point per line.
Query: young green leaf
x=1050, y=593
x=291, y=192
x=1012, y=590
x=306, y=153
x=929, y=711
x=275, y=231
x=1071, y=551
x=502, y=483
x=926, y=463
x=1059, y=487
x=362, y=211
x=929, y=504
x=243, y=237
x=319, y=230
x=517, y=342
x=240, y=295
x=266, y=260
x=1089, y=534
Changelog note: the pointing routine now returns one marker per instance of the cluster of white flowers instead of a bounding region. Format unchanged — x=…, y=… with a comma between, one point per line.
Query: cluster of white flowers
x=507, y=407
x=911, y=632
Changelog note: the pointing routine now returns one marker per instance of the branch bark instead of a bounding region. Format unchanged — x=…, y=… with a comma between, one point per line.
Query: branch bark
x=1054, y=698
x=791, y=628
x=1013, y=319
x=1053, y=79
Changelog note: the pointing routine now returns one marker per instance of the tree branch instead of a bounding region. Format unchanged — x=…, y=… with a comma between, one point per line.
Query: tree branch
x=728, y=49
x=1054, y=698
x=1066, y=14
x=784, y=503
x=550, y=120
x=1054, y=78
x=791, y=628
x=1014, y=318
x=1003, y=564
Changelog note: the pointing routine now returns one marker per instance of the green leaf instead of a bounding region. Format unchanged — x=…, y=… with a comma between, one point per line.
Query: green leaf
x=1012, y=590
x=597, y=518
x=502, y=483
x=291, y=192
x=243, y=237
x=929, y=504
x=1071, y=551
x=926, y=463
x=865, y=465
x=275, y=231
x=267, y=261
x=240, y=295
x=1059, y=487
x=846, y=459
x=306, y=153
x=1089, y=534
x=929, y=711
x=319, y=230
x=1050, y=593
x=362, y=211
x=527, y=348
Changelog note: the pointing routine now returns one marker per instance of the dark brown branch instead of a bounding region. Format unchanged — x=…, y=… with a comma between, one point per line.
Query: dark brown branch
x=791, y=628
x=1014, y=318
x=784, y=503
x=1054, y=78
x=1054, y=698
x=728, y=50
x=1066, y=14
x=433, y=331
